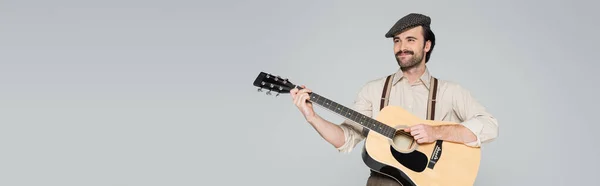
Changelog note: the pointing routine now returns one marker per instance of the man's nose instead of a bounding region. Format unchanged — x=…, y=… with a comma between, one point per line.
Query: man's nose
x=403, y=46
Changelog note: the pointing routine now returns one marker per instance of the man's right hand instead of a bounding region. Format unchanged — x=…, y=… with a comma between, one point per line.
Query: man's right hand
x=332, y=133
x=300, y=98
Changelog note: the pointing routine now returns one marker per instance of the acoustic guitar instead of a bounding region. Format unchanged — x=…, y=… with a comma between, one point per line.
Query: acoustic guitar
x=391, y=151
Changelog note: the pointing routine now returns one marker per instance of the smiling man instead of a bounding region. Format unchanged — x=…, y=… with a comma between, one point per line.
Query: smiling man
x=409, y=88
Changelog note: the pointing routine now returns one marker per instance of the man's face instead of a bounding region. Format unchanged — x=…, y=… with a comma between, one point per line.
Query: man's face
x=410, y=48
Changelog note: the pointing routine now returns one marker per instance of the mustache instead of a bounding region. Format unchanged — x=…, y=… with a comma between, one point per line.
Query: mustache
x=405, y=52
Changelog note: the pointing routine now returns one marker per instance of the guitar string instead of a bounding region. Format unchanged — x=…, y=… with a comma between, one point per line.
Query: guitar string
x=395, y=131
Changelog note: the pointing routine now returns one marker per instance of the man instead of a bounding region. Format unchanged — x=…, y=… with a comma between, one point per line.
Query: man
x=413, y=44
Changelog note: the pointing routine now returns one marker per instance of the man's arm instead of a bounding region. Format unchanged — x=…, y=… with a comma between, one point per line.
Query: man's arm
x=332, y=133
x=454, y=133
x=478, y=125
x=343, y=137
x=482, y=124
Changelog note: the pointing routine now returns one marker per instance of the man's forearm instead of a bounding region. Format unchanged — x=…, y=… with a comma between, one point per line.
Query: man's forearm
x=331, y=132
x=454, y=133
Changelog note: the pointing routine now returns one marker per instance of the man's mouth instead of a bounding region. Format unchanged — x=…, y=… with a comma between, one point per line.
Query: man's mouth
x=404, y=53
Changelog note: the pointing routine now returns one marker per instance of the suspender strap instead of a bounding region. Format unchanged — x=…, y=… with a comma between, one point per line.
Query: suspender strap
x=432, y=98
x=430, y=116
x=431, y=101
x=384, y=98
x=385, y=94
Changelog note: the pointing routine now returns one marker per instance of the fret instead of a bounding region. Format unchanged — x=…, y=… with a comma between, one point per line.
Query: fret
x=360, y=120
x=387, y=131
x=338, y=109
x=316, y=98
x=355, y=116
x=335, y=106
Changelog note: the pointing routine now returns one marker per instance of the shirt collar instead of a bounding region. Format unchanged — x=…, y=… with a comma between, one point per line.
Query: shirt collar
x=425, y=78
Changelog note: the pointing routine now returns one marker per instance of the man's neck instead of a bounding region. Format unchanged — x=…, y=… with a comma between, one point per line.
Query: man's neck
x=414, y=73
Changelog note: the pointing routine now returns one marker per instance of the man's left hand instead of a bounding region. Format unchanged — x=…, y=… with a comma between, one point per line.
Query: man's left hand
x=423, y=133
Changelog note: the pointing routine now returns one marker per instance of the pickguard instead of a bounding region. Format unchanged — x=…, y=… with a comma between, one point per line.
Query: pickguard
x=415, y=160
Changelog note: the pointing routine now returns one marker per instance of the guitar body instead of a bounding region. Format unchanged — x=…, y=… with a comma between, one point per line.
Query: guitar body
x=409, y=163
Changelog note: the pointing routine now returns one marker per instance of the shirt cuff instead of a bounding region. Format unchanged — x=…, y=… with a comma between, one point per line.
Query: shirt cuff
x=476, y=127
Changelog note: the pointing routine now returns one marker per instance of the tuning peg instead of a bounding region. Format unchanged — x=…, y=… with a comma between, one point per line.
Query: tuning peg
x=277, y=94
x=259, y=90
x=269, y=92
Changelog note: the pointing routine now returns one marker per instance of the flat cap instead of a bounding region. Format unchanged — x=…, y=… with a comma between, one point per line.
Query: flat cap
x=408, y=21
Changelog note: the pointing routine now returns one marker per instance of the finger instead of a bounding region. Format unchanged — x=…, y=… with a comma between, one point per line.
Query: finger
x=416, y=127
x=304, y=91
x=302, y=87
x=415, y=132
x=419, y=136
x=302, y=99
x=298, y=100
x=293, y=92
x=293, y=96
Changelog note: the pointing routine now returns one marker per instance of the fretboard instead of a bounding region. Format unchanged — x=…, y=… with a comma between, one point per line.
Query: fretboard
x=365, y=121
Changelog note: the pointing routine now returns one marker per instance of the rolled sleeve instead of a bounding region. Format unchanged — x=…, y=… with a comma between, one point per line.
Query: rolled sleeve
x=476, y=127
x=475, y=117
x=352, y=130
x=351, y=138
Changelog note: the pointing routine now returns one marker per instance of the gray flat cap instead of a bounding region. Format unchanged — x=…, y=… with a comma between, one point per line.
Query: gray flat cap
x=408, y=21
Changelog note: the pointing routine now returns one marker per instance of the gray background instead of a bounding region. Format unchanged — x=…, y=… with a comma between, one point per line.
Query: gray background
x=154, y=92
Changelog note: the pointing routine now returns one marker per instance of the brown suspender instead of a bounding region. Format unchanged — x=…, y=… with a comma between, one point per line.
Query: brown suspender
x=430, y=104
x=384, y=97
x=432, y=98
x=432, y=95
x=386, y=91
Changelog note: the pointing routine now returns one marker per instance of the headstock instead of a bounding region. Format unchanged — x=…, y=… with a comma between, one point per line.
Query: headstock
x=274, y=83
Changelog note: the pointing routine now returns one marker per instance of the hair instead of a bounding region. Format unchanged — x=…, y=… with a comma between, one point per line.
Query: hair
x=428, y=36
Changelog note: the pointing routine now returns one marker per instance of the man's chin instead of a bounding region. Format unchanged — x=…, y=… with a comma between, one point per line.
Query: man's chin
x=404, y=64
x=407, y=64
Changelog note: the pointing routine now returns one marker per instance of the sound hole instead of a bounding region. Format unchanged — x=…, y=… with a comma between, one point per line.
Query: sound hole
x=403, y=141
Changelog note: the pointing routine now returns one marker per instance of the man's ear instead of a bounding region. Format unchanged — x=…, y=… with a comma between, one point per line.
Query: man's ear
x=427, y=46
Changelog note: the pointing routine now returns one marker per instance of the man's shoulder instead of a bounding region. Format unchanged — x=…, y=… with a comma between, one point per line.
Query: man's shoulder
x=450, y=85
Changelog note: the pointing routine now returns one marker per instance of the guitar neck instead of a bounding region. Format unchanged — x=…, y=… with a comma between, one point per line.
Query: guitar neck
x=365, y=121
